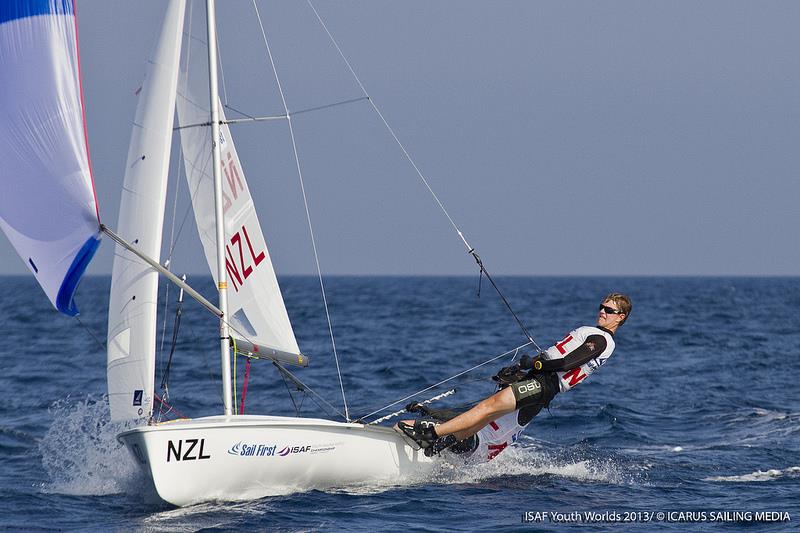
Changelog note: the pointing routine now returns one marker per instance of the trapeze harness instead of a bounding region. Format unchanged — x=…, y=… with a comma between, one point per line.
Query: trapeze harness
x=559, y=368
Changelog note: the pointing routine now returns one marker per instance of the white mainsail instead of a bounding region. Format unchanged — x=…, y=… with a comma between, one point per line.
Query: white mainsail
x=48, y=208
x=134, y=284
x=257, y=311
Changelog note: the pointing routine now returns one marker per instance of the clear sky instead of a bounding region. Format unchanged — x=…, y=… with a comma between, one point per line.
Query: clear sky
x=564, y=137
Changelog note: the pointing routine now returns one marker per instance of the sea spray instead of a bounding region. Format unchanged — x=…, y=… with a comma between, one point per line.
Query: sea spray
x=80, y=452
x=530, y=460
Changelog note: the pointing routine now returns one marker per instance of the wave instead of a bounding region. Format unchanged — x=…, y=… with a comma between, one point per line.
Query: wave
x=13, y=441
x=517, y=461
x=758, y=475
x=211, y=515
x=760, y=414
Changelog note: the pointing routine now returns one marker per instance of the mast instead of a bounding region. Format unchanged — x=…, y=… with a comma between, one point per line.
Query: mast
x=222, y=283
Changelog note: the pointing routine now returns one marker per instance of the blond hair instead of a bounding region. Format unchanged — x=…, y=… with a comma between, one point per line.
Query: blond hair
x=623, y=303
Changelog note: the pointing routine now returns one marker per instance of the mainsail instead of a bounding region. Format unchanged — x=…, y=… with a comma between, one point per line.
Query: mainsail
x=48, y=209
x=134, y=285
x=257, y=312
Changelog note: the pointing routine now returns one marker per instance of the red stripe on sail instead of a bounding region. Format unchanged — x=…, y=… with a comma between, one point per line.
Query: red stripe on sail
x=83, y=112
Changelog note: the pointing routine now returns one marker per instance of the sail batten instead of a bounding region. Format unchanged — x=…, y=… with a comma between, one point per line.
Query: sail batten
x=50, y=213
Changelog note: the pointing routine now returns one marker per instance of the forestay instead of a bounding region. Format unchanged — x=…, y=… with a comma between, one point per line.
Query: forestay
x=257, y=312
x=134, y=286
x=48, y=211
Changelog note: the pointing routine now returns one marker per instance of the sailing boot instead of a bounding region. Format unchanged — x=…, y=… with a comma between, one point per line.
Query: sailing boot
x=453, y=445
x=422, y=432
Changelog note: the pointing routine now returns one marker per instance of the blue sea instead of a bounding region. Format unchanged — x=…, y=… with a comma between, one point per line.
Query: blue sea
x=693, y=422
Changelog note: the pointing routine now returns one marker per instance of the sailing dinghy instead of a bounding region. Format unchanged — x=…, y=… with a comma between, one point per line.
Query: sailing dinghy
x=229, y=456
x=51, y=217
x=53, y=223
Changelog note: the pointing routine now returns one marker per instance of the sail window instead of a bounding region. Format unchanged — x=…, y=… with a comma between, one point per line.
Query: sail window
x=120, y=345
x=243, y=323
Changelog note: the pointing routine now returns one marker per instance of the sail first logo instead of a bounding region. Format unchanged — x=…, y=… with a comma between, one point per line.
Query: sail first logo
x=241, y=449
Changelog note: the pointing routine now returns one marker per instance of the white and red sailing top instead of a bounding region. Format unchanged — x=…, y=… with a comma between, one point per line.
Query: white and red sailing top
x=495, y=437
x=573, y=358
x=577, y=355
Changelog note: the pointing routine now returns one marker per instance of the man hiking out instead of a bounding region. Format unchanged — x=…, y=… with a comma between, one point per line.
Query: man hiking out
x=526, y=388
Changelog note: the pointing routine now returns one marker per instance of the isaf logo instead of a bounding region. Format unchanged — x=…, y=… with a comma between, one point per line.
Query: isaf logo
x=187, y=450
x=294, y=449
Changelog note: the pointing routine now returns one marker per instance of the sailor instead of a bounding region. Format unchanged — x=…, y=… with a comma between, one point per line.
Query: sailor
x=525, y=389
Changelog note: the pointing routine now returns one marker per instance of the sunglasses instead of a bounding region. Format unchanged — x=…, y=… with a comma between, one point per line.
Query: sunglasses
x=610, y=310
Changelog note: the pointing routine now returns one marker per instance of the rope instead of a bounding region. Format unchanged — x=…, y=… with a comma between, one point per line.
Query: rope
x=400, y=412
x=213, y=379
x=305, y=204
x=221, y=71
x=470, y=249
x=250, y=118
x=170, y=408
x=167, y=263
x=305, y=388
x=233, y=345
x=100, y=343
x=426, y=389
x=388, y=127
x=291, y=396
x=502, y=297
x=422, y=177
x=244, y=385
x=175, y=328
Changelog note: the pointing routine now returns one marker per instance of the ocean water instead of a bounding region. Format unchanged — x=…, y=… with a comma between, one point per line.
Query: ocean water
x=697, y=414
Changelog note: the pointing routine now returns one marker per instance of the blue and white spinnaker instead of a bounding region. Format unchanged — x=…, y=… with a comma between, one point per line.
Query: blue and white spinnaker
x=48, y=208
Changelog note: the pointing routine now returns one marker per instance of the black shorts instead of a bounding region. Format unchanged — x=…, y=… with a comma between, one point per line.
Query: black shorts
x=533, y=394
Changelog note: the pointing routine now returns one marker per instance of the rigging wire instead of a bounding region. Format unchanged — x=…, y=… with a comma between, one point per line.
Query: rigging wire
x=235, y=351
x=305, y=204
x=502, y=296
x=470, y=249
x=244, y=385
x=515, y=351
x=213, y=378
x=291, y=396
x=388, y=127
x=100, y=343
x=207, y=306
x=251, y=118
x=175, y=329
x=305, y=388
x=422, y=177
x=221, y=71
x=402, y=411
x=174, y=238
x=168, y=262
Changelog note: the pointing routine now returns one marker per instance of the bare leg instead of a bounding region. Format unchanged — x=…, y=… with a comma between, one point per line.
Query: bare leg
x=467, y=424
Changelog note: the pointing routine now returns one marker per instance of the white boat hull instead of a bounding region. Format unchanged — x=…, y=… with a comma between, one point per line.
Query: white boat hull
x=248, y=457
